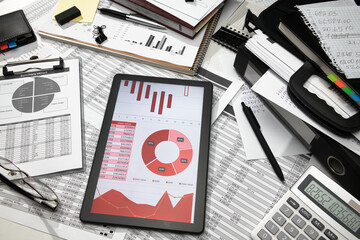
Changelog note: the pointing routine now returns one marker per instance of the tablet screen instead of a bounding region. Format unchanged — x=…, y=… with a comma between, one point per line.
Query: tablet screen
x=150, y=163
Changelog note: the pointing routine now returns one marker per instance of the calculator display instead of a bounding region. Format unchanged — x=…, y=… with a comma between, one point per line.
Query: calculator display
x=331, y=204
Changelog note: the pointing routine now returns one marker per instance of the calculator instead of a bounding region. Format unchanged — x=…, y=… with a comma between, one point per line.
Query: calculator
x=314, y=208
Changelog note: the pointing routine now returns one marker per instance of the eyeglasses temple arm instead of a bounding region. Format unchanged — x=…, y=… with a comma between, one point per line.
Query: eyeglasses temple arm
x=25, y=193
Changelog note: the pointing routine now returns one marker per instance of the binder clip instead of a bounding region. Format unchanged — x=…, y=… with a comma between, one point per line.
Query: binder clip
x=98, y=34
x=317, y=108
x=251, y=19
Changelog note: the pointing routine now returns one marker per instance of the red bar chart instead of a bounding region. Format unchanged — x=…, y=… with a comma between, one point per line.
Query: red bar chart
x=162, y=98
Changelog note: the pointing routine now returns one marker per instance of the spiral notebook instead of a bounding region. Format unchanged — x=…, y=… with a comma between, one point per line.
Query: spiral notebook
x=162, y=48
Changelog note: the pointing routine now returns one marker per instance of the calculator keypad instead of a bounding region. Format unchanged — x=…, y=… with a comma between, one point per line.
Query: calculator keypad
x=290, y=220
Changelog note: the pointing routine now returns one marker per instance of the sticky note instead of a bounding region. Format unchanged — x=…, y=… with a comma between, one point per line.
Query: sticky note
x=87, y=8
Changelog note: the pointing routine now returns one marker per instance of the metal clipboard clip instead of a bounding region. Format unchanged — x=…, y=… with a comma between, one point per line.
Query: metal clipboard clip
x=6, y=72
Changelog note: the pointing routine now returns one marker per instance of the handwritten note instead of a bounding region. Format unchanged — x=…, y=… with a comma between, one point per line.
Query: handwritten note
x=339, y=32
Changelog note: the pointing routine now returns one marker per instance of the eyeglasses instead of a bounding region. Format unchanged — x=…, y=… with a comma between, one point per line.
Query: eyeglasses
x=32, y=188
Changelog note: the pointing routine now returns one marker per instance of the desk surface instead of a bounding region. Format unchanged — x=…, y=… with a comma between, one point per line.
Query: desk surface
x=237, y=197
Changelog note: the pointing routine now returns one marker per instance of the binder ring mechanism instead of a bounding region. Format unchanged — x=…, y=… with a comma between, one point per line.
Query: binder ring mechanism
x=6, y=72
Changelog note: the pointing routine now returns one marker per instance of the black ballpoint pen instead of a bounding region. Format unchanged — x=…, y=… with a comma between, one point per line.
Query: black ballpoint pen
x=131, y=18
x=256, y=128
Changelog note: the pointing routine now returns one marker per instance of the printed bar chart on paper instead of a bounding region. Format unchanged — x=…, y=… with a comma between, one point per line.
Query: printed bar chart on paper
x=160, y=43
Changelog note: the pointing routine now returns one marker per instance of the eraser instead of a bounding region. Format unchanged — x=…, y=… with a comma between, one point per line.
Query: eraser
x=67, y=15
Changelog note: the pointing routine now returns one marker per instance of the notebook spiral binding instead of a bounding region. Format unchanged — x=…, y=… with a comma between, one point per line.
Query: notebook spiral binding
x=206, y=41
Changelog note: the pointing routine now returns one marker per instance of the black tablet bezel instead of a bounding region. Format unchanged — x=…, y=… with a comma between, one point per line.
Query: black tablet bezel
x=199, y=215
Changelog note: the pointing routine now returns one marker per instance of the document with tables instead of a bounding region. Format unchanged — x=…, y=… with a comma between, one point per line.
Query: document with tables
x=239, y=193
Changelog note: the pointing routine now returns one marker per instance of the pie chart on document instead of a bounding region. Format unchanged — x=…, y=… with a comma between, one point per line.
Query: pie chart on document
x=35, y=96
x=167, y=152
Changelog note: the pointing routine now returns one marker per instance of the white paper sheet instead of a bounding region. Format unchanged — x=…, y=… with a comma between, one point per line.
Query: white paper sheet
x=225, y=99
x=274, y=55
x=190, y=12
x=280, y=140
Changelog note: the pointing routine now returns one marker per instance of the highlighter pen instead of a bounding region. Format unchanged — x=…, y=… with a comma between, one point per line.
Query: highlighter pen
x=256, y=128
x=131, y=18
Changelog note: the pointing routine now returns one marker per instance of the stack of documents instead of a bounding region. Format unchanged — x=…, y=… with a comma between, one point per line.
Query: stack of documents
x=187, y=18
x=190, y=12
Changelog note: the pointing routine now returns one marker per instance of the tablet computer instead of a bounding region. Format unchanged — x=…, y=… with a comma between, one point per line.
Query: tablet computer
x=151, y=161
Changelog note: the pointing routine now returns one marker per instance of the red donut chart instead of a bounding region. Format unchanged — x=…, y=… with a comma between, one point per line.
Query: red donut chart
x=167, y=169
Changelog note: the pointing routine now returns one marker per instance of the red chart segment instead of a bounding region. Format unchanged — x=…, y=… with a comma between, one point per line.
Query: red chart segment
x=148, y=149
x=116, y=203
x=182, y=162
x=167, y=169
x=160, y=168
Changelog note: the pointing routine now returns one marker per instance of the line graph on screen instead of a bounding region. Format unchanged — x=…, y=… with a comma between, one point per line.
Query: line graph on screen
x=116, y=203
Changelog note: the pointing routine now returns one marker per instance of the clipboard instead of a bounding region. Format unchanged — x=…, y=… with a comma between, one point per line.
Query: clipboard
x=41, y=115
